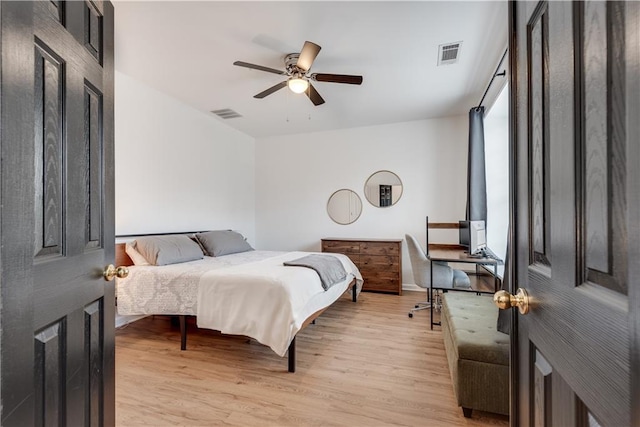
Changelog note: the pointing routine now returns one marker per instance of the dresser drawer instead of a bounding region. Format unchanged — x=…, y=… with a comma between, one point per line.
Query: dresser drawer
x=379, y=284
x=379, y=262
x=356, y=258
x=380, y=248
x=371, y=274
x=341, y=247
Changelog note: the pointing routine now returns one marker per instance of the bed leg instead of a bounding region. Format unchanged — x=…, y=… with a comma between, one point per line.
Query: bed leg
x=292, y=355
x=183, y=332
x=354, y=290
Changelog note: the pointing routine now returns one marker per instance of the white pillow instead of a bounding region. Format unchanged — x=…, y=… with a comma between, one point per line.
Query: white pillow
x=136, y=257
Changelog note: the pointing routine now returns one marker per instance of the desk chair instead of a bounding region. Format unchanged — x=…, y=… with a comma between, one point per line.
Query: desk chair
x=444, y=277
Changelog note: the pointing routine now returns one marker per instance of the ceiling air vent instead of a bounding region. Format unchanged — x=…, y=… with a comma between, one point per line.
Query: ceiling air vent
x=448, y=53
x=226, y=113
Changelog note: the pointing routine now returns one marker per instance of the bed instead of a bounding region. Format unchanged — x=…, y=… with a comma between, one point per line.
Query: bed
x=227, y=293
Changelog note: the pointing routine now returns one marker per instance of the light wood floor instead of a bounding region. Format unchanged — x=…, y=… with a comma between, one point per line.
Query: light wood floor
x=361, y=364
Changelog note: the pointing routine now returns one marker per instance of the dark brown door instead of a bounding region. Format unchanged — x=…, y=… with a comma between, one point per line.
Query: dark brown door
x=576, y=208
x=57, y=218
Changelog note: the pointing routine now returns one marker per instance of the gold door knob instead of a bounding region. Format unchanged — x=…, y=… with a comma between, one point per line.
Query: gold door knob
x=111, y=272
x=505, y=300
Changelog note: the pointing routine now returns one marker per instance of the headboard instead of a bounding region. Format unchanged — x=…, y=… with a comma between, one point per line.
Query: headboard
x=122, y=259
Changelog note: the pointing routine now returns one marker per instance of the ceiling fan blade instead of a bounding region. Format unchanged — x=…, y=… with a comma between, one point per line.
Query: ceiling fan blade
x=271, y=90
x=314, y=96
x=337, y=78
x=259, y=67
x=307, y=55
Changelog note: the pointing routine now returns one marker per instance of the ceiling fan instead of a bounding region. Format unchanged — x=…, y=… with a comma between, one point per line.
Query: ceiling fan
x=297, y=66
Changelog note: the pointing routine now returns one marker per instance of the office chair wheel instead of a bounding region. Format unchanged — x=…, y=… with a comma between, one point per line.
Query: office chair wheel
x=417, y=306
x=410, y=314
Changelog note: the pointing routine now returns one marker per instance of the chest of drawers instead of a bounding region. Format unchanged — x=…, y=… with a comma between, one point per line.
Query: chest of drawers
x=379, y=261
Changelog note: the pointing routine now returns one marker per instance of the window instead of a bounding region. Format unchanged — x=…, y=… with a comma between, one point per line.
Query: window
x=496, y=140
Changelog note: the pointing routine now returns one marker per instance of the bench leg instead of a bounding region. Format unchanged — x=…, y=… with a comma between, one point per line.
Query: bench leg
x=466, y=412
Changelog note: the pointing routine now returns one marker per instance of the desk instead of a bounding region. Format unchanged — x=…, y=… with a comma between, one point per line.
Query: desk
x=458, y=255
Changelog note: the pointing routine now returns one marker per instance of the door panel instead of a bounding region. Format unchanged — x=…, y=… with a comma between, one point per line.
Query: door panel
x=93, y=359
x=49, y=374
x=57, y=213
x=542, y=390
x=572, y=219
x=93, y=30
x=49, y=169
x=603, y=148
x=538, y=59
x=93, y=166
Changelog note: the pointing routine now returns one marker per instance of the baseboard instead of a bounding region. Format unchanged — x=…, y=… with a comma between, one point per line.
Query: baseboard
x=412, y=287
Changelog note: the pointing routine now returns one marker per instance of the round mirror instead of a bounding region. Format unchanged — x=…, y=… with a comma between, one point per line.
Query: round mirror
x=383, y=189
x=344, y=206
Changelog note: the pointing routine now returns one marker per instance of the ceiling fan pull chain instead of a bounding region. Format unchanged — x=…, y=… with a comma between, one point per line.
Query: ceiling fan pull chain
x=287, y=103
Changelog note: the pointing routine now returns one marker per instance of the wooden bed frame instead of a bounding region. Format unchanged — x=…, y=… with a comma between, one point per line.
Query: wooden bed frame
x=122, y=259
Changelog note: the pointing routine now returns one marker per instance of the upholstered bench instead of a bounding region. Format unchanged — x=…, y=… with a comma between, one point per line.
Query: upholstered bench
x=477, y=353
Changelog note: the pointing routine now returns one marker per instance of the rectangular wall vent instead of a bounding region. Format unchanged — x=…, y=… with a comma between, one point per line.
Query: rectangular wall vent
x=226, y=113
x=449, y=53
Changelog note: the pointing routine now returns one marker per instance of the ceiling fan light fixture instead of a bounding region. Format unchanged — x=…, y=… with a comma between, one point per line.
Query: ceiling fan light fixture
x=298, y=85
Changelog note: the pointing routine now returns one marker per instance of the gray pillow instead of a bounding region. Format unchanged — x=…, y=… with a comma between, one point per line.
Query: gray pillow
x=169, y=249
x=223, y=242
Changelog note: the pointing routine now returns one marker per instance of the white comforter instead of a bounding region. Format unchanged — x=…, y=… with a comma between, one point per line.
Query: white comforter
x=266, y=300
x=271, y=311
x=173, y=289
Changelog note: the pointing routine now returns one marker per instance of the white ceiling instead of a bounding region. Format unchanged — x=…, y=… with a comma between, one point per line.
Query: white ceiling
x=187, y=50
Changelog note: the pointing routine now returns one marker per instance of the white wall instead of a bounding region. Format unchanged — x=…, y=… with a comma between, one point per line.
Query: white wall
x=296, y=174
x=178, y=169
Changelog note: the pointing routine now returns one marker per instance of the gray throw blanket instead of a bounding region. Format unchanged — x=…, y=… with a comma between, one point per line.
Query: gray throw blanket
x=328, y=267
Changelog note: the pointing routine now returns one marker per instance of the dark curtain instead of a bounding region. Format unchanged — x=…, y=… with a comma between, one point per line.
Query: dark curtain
x=476, y=177
x=477, y=196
